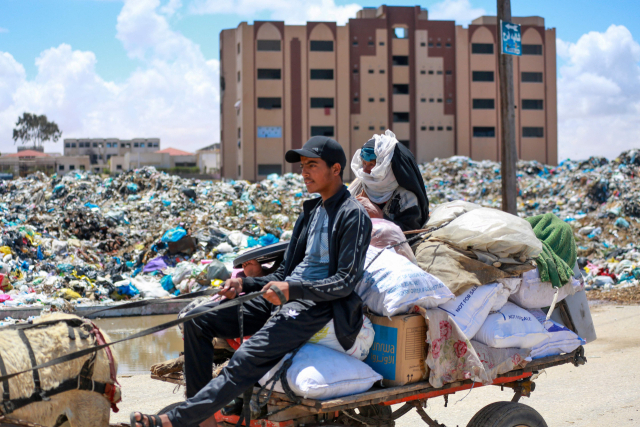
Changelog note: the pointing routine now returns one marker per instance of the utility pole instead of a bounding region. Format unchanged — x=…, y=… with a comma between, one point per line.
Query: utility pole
x=509, y=155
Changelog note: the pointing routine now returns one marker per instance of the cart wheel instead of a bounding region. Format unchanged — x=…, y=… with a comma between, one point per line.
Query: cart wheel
x=376, y=411
x=507, y=414
x=168, y=408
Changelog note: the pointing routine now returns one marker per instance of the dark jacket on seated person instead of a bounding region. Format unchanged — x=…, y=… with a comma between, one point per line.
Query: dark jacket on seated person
x=349, y=238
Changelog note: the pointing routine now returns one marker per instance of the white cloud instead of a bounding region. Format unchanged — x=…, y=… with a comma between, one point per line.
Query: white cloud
x=171, y=7
x=599, y=94
x=280, y=10
x=3, y=30
x=460, y=11
x=172, y=95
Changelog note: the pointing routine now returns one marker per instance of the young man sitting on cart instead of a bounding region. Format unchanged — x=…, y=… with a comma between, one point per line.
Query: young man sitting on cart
x=323, y=263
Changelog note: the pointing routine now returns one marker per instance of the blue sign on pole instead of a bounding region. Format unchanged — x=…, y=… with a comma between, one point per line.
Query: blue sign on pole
x=511, y=41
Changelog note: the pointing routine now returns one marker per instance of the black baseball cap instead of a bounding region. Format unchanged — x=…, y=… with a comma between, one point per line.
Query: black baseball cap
x=319, y=147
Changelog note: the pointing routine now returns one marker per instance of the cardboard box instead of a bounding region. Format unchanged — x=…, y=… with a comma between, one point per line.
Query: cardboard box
x=398, y=352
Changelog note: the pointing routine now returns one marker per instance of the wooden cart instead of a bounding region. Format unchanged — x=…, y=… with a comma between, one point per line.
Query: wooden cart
x=373, y=408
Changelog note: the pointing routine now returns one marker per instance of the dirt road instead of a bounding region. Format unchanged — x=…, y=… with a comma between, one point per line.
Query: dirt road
x=604, y=392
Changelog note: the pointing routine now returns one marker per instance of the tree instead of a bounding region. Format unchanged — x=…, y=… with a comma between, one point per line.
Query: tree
x=31, y=128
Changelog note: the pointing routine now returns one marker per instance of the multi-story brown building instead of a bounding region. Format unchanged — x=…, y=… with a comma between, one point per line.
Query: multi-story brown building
x=434, y=84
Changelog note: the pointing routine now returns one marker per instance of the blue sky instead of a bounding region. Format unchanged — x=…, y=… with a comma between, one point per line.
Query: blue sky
x=149, y=67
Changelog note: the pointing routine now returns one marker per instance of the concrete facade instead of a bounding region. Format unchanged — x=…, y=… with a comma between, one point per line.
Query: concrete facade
x=389, y=68
x=101, y=150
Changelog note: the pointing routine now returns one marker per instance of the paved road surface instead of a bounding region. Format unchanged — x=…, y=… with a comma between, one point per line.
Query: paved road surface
x=604, y=392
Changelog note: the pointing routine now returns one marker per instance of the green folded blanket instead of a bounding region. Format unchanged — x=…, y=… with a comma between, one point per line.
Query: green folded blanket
x=555, y=263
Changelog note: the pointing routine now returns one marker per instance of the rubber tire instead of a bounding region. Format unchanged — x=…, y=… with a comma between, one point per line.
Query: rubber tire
x=168, y=408
x=507, y=414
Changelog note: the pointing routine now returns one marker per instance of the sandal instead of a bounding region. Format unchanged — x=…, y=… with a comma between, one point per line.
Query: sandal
x=152, y=420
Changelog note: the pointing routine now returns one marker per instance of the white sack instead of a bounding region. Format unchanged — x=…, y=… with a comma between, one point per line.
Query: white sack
x=470, y=309
x=493, y=231
x=360, y=350
x=511, y=326
x=449, y=211
x=318, y=372
x=381, y=182
x=534, y=293
x=392, y=285
x=562, y=340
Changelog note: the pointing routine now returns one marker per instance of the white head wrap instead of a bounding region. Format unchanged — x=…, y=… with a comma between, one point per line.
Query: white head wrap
x=380, y=183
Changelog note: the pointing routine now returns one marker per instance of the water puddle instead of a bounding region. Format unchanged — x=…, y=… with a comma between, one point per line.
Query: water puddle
x=136, y=356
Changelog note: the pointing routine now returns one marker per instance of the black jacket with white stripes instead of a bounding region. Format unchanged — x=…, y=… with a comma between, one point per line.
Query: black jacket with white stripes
x=349, y=238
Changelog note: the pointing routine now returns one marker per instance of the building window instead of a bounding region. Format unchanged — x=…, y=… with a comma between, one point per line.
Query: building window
x=61, y=167
x=356, y=127
x=356, y=100
x=238, y=47
x=400, y=33
x=73, y=145
x=355, y=71
x=155, y=144
x=382, y=100
x=382, y=127
x=532, y=104
x=239, y=144
x=430, y=71
x=401, y=117
x=482, y=76
x=372, y=99
x=431, y=100
x=423, y=128
x=239, y=170
x=381, y=43
x=108, y=157
x=96, y=170
x=423, y=72
x=81, y=167
x=449, y=100
x=370, y=43
x=529, y=77
x=532, y=132
x=439, y=127
x=269, y=74
x=448, y=72
x=400, y=60
x=371, y=71
x=447, y=45
x=136, y=145
x=142, y=145
x=432, y=128
x=372, y=127
x=449, y=128
x=72, y=167
x=532, y=49
x=269, y=45
x=381, y=71
x=439, y=99
x=483, y=104
x=439, y=72
x=321, y=102
x=269, y=103
x=238, y=76
x=484, y=132
x=430, y=44
x=355, y=43
x=108, y=144
x=482, y=48
x=239, y=132
x=95, y=145
x=438, y=45
x=67, y=145
x=322, y=131
x=269, y=169
x=401, y=89
x=119, y=167
x=423, y=44
x=267, y=132
x=321, y=74
x=423, y=99
x=321, y=46
x=404, y=142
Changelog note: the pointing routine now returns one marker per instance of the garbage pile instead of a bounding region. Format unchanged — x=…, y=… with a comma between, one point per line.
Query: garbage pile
x=82, y=239
x=599, y=198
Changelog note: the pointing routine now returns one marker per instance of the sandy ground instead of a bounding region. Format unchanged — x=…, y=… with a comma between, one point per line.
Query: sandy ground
x=604, y=392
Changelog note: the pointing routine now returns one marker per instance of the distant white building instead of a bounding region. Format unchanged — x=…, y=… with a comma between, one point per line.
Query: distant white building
x=101, y=150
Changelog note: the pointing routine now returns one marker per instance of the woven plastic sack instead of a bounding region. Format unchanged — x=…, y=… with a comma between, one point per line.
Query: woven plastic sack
x=318, y=372
x=449, y=211
x=392, y=285
x=360, y=350
x=511, y=326
x=534, y=293
x=470, y=309
x=385, y=233
x=491, y=230
x=561, y=339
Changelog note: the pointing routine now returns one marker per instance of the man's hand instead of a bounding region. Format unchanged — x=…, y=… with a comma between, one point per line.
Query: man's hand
x=271, y=296
x=232, y=288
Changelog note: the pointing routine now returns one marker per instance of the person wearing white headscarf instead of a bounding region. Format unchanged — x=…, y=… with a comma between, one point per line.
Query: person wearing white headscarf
x=388, y=182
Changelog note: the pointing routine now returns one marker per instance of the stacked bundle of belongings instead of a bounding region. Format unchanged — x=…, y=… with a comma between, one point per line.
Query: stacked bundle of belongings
x=507, y=275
